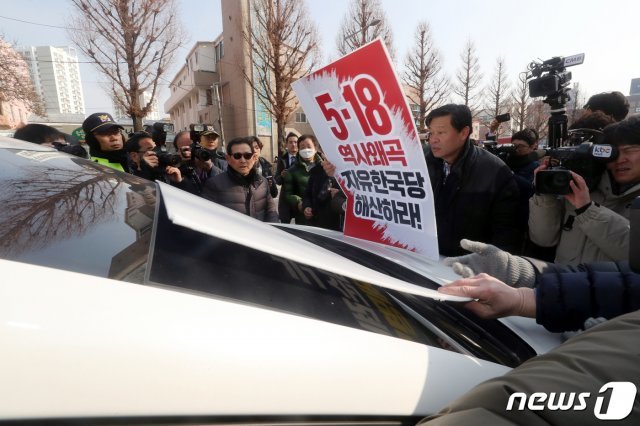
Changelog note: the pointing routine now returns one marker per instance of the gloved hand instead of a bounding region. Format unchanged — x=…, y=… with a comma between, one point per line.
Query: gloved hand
x=589, y=323
x=512, y=270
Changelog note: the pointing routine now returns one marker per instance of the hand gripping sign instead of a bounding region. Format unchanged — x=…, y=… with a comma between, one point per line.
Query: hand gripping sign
x=363, y=122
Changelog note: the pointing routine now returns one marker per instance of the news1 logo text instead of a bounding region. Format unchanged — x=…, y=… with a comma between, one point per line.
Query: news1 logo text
x=619, y=395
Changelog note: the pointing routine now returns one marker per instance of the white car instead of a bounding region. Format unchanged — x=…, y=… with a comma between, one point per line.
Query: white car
x=123, y=300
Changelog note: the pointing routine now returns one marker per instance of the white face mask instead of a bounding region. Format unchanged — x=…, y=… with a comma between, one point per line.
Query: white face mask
x=307, y=153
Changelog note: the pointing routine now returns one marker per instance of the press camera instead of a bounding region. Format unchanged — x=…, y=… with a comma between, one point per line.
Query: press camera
x=586, y=155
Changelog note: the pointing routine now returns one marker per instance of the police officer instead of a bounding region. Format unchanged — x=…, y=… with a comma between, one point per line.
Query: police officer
x=105, y=140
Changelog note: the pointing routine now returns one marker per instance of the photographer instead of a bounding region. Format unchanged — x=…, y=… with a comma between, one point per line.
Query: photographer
x=144, y=162
x=42, y=134
x=611, y=103
x=522, y=160
x=195, y=170
x=592, y=225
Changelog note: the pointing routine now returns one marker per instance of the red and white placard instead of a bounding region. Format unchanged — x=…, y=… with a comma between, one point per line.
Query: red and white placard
x=362, y=119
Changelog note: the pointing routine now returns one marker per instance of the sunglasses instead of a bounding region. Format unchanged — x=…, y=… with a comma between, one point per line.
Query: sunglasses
x=239, y=155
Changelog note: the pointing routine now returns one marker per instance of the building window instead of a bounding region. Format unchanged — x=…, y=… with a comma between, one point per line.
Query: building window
x=301, y=117
x=209, y=93
x=219, y=51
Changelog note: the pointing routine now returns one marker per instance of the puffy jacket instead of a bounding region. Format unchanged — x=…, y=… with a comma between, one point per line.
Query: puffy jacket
x=249, y=195
x=477, y=201
x=567, y=295
x=600, y=233
x=294, y=184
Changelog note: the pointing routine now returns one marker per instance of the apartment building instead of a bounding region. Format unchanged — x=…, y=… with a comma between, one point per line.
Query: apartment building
x=55, y=73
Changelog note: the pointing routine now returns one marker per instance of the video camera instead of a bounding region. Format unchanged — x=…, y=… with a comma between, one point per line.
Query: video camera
x=586, y=156
x=502, y=150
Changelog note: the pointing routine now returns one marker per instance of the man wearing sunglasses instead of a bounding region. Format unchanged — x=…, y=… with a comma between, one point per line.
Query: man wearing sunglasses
x=241, y=187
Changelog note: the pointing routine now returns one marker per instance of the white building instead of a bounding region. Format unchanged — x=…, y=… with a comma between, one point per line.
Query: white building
x=56, y=76
x=192, y=97
x=121, y=116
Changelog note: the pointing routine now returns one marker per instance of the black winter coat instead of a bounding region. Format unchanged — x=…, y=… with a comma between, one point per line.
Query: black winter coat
x=327, y=210
x=477, y=201
x=568, y=295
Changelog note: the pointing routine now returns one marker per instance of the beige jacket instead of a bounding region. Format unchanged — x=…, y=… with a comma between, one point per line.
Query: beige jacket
x=601, y=233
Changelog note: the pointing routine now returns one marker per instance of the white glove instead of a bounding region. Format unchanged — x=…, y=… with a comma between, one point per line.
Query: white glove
x=512, y=270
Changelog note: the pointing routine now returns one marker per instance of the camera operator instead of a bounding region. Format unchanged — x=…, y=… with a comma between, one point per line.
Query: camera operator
x=592, y=225
x=523, y=161
x=193, y=178
x=144, y=161
x=492, y=134
x=42, y=134
x=611, y=103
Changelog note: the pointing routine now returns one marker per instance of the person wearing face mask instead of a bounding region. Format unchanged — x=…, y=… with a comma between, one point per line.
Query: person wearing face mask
x=297, y=177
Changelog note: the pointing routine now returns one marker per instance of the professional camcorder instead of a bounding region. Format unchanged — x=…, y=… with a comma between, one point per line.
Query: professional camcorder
x=586, y=156
x=579, y=150
x=502, y=150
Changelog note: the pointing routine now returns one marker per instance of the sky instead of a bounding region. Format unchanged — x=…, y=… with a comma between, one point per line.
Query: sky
x=520, y=32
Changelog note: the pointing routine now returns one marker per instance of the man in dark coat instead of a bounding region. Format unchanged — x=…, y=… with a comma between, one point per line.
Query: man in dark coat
x=285, y=161
x=475, y=193
x=240, y=187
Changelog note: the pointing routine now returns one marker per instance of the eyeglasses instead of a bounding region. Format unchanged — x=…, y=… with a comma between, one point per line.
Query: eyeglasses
x=520, y=146
x=245, y=155
x=185, y=149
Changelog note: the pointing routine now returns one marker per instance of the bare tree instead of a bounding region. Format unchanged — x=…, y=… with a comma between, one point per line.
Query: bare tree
x=355, y=28
x=498, y=100
x=538, y=118
x=469, y=77
x=15, y=81
x=132, y=43
x=520, y=102
x=575, y=105
x=284, y=45
x=423, y=74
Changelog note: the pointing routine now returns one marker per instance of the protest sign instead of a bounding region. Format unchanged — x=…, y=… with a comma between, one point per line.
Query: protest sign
x=363, y=122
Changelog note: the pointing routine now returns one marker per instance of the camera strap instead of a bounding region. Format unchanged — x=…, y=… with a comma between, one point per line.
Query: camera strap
x=568, y=225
